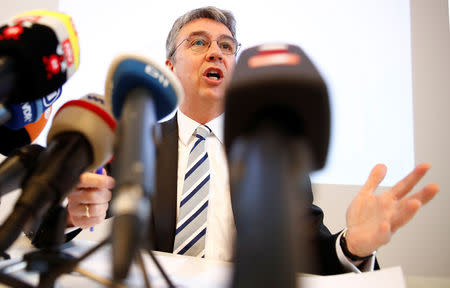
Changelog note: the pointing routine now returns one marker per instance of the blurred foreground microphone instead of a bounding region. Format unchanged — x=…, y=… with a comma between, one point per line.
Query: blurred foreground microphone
x=140, y=92
x=39, y=51
x=26, y=122
x=30, y=112
x=16, y=167
x=13, y=139
x=277, y=123
x=80, y=139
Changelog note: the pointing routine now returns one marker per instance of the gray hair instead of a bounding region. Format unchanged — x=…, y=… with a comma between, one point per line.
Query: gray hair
x=222, y=16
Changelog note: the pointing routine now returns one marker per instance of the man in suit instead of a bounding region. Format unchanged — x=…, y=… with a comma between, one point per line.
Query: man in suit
x=201, y=50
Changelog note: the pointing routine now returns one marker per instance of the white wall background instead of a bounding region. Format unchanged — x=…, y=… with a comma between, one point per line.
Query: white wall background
x=421, y=248
x=364, y=58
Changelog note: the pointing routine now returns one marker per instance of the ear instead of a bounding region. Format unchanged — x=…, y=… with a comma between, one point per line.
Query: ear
x=169, y=64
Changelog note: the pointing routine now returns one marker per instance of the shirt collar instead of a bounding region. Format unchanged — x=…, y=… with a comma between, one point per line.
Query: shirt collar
x=187, y=126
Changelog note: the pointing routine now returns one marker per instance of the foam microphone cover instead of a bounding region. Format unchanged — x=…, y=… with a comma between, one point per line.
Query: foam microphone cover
x=278, y=83
x=90, y=117
x=44, y=47
x=13, y=139
x=128, y=71
x=30, y=112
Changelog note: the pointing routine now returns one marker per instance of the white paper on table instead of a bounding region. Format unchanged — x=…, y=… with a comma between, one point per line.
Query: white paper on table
x=386, y=278
x=184, y=271
x=187, y=271
x=193, y=272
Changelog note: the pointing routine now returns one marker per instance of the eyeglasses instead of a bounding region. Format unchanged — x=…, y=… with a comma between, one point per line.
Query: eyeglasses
x=200, y=44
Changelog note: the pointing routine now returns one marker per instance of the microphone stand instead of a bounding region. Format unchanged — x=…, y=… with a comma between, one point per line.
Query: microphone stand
x=44, y=260
x=50, y=262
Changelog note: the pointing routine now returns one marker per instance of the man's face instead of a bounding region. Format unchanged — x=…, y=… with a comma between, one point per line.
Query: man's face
x=198, y=71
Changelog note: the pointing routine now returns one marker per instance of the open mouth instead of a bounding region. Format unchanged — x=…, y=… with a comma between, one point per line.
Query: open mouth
x=214, y=74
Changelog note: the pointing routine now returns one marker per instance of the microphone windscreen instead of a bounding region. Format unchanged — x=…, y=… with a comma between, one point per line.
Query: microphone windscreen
x=89, y=117
x=13, y=139
x=30, y=112
x=35, y=129
x=278, y=83
x=44, y=45
x=128, y=71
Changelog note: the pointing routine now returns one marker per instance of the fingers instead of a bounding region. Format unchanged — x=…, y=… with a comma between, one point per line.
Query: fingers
x=425, y=195
x=406, y=184
x=406, y=210
x=375, y=177
x=87, y=207
x=409, y=206
x=88, y=201
x=90, y=196
x=85, y=222
x=95, y=210
x=83, y=217
x=92, y=180
x=374, y=219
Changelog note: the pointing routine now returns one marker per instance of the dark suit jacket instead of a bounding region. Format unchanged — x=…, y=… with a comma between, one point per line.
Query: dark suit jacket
x=163, y=222
x=164, y=204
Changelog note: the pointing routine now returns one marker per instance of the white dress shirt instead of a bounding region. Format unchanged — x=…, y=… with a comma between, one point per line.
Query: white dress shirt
x=221, y=229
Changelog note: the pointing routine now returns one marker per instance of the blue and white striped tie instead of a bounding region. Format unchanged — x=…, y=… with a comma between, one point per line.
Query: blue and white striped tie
x=191, y=226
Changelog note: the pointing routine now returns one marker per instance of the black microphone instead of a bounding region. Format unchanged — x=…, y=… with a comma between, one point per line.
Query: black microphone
x=13, y=139
x=140, y=92
x=39, y=51
x=279, y=83
x=277, y=122
x=14, y=169
x=26, y=122
x=80, y=139
x=30, y=112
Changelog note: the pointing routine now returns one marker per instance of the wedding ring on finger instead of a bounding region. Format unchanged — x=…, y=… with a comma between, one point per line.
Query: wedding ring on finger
x=87, y=211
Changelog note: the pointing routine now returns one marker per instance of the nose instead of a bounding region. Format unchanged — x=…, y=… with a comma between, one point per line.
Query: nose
x=214, y=52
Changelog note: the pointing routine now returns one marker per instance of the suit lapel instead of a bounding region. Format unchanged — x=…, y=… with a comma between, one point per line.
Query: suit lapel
x=165, y=200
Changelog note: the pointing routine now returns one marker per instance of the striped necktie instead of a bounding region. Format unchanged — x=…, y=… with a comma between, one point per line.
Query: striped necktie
x=191, y=226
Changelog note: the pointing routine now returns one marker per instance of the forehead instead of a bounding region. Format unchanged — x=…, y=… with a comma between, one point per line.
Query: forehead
x=207, y=26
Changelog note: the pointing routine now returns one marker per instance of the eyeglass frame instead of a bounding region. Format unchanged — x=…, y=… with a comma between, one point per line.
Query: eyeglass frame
x=238, y=45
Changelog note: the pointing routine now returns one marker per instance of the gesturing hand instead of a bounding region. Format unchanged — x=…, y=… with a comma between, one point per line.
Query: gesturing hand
x=372, y=219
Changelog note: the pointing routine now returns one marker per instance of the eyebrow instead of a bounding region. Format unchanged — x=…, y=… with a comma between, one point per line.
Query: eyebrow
x=204, y=33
